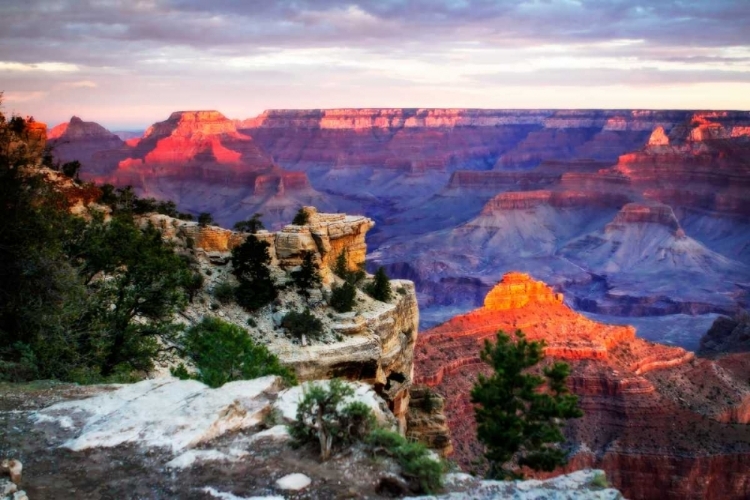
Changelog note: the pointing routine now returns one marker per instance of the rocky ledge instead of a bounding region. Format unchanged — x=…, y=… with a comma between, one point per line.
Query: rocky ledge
x=374, y=343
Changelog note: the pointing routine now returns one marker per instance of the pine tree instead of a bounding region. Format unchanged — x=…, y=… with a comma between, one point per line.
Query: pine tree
x=380, y=289
x=251, y=225
x=301, y=218
x=518, y=413
x=307, y=276
x=205, y=219
x=250, y=261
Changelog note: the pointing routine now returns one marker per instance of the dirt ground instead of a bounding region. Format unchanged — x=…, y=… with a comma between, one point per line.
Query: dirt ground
x=128, y=472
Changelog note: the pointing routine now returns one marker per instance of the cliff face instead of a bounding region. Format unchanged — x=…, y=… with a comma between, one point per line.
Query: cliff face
x=95, y=147
x=374, y=343
x=475, y=193
x=659, y=421
x=199, y=160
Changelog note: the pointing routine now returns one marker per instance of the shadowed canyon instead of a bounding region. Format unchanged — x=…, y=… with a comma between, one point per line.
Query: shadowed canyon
x=632, y=214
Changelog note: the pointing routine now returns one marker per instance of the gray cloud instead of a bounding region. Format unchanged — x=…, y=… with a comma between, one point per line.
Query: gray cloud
x=243, y=47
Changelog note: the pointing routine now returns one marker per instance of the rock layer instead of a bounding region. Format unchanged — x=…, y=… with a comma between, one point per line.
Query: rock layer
x=659, y=421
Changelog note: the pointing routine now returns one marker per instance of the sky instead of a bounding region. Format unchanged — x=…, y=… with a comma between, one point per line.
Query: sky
x=129, y=63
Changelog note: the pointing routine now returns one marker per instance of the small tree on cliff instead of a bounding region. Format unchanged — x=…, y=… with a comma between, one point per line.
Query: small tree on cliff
x=518, y=413
x=251, y=225
x=307, y=276
x=250, y=261
x=301, y=218
x=205, y=219
x=380, y=288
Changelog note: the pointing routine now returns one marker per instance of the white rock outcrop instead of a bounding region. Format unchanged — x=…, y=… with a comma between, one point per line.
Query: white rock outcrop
x=165, y=412
x=579, y=485
x=293, y=482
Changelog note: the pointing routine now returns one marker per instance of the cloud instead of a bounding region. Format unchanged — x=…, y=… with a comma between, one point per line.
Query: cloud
x=151, y=51
x=51, y=67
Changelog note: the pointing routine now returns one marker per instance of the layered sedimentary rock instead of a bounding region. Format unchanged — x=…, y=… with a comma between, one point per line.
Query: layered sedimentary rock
x=661, y=422
x=727, y=335
x=98, y=149
x=374, y=343
x=426, y=422
x=199, y=160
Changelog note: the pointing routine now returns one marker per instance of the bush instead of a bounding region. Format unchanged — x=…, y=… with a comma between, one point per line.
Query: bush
x=301, y=218
x=321, y=417
x=307, y=276
x=341, y=269
x=303, y=323
x=224, y=292
x=423, y=471
x=250, y=262
x=519, y=414
x=342, y=297
x=251, y=225
x=380, y=288
x=223, y=352
x=599, y=480
x=205, y=219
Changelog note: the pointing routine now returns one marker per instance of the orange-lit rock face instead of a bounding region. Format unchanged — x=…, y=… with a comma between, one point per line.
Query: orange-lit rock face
x=661, y=422
x=517, y=290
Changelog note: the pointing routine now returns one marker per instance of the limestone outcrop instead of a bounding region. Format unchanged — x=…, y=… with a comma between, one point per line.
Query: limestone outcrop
x=653, y=414
x=374, y=343
x=426, y=422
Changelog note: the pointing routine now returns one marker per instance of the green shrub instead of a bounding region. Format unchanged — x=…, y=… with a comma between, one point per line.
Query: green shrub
x=223, y=352
x=307, y=276
x=342, y=297
x=251, y=322
x=341, y=269
x=250, y=262
x=224, y=292
x=302, y=323
x=423, y=471
x=205, y=219
x=380, y=288
x=600, y=480
x=301, y=218
x=321, y=417
x=251, y=225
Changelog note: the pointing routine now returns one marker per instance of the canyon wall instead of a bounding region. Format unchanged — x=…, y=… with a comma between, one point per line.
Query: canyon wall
x=661, y=422
x=466, y=195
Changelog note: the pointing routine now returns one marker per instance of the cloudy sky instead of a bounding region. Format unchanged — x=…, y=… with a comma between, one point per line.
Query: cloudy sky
x=128, y=63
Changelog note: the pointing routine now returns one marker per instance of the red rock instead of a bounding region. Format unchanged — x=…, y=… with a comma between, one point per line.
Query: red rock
x=659, y=421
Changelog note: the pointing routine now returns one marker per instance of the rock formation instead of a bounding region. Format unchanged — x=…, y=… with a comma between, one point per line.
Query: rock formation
x=426, y=421
x=199, y=160
x=374, y=343
x=638, y=398
x=727, y=335
x=95, y=147
x=465, y=191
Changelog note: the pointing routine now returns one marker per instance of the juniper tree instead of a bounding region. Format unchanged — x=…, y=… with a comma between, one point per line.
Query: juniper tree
x=380, y=288
x=307, y=276
x=250, y=262
x=518, y=412
x=251, y=225
x=301, y=217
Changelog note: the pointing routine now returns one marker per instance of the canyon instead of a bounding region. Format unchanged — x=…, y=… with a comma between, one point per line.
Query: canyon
x=660, y=421
x=616, y=208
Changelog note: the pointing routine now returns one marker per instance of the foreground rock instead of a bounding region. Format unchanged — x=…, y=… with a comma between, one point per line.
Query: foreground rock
x=581, y=485
x=661, y=422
